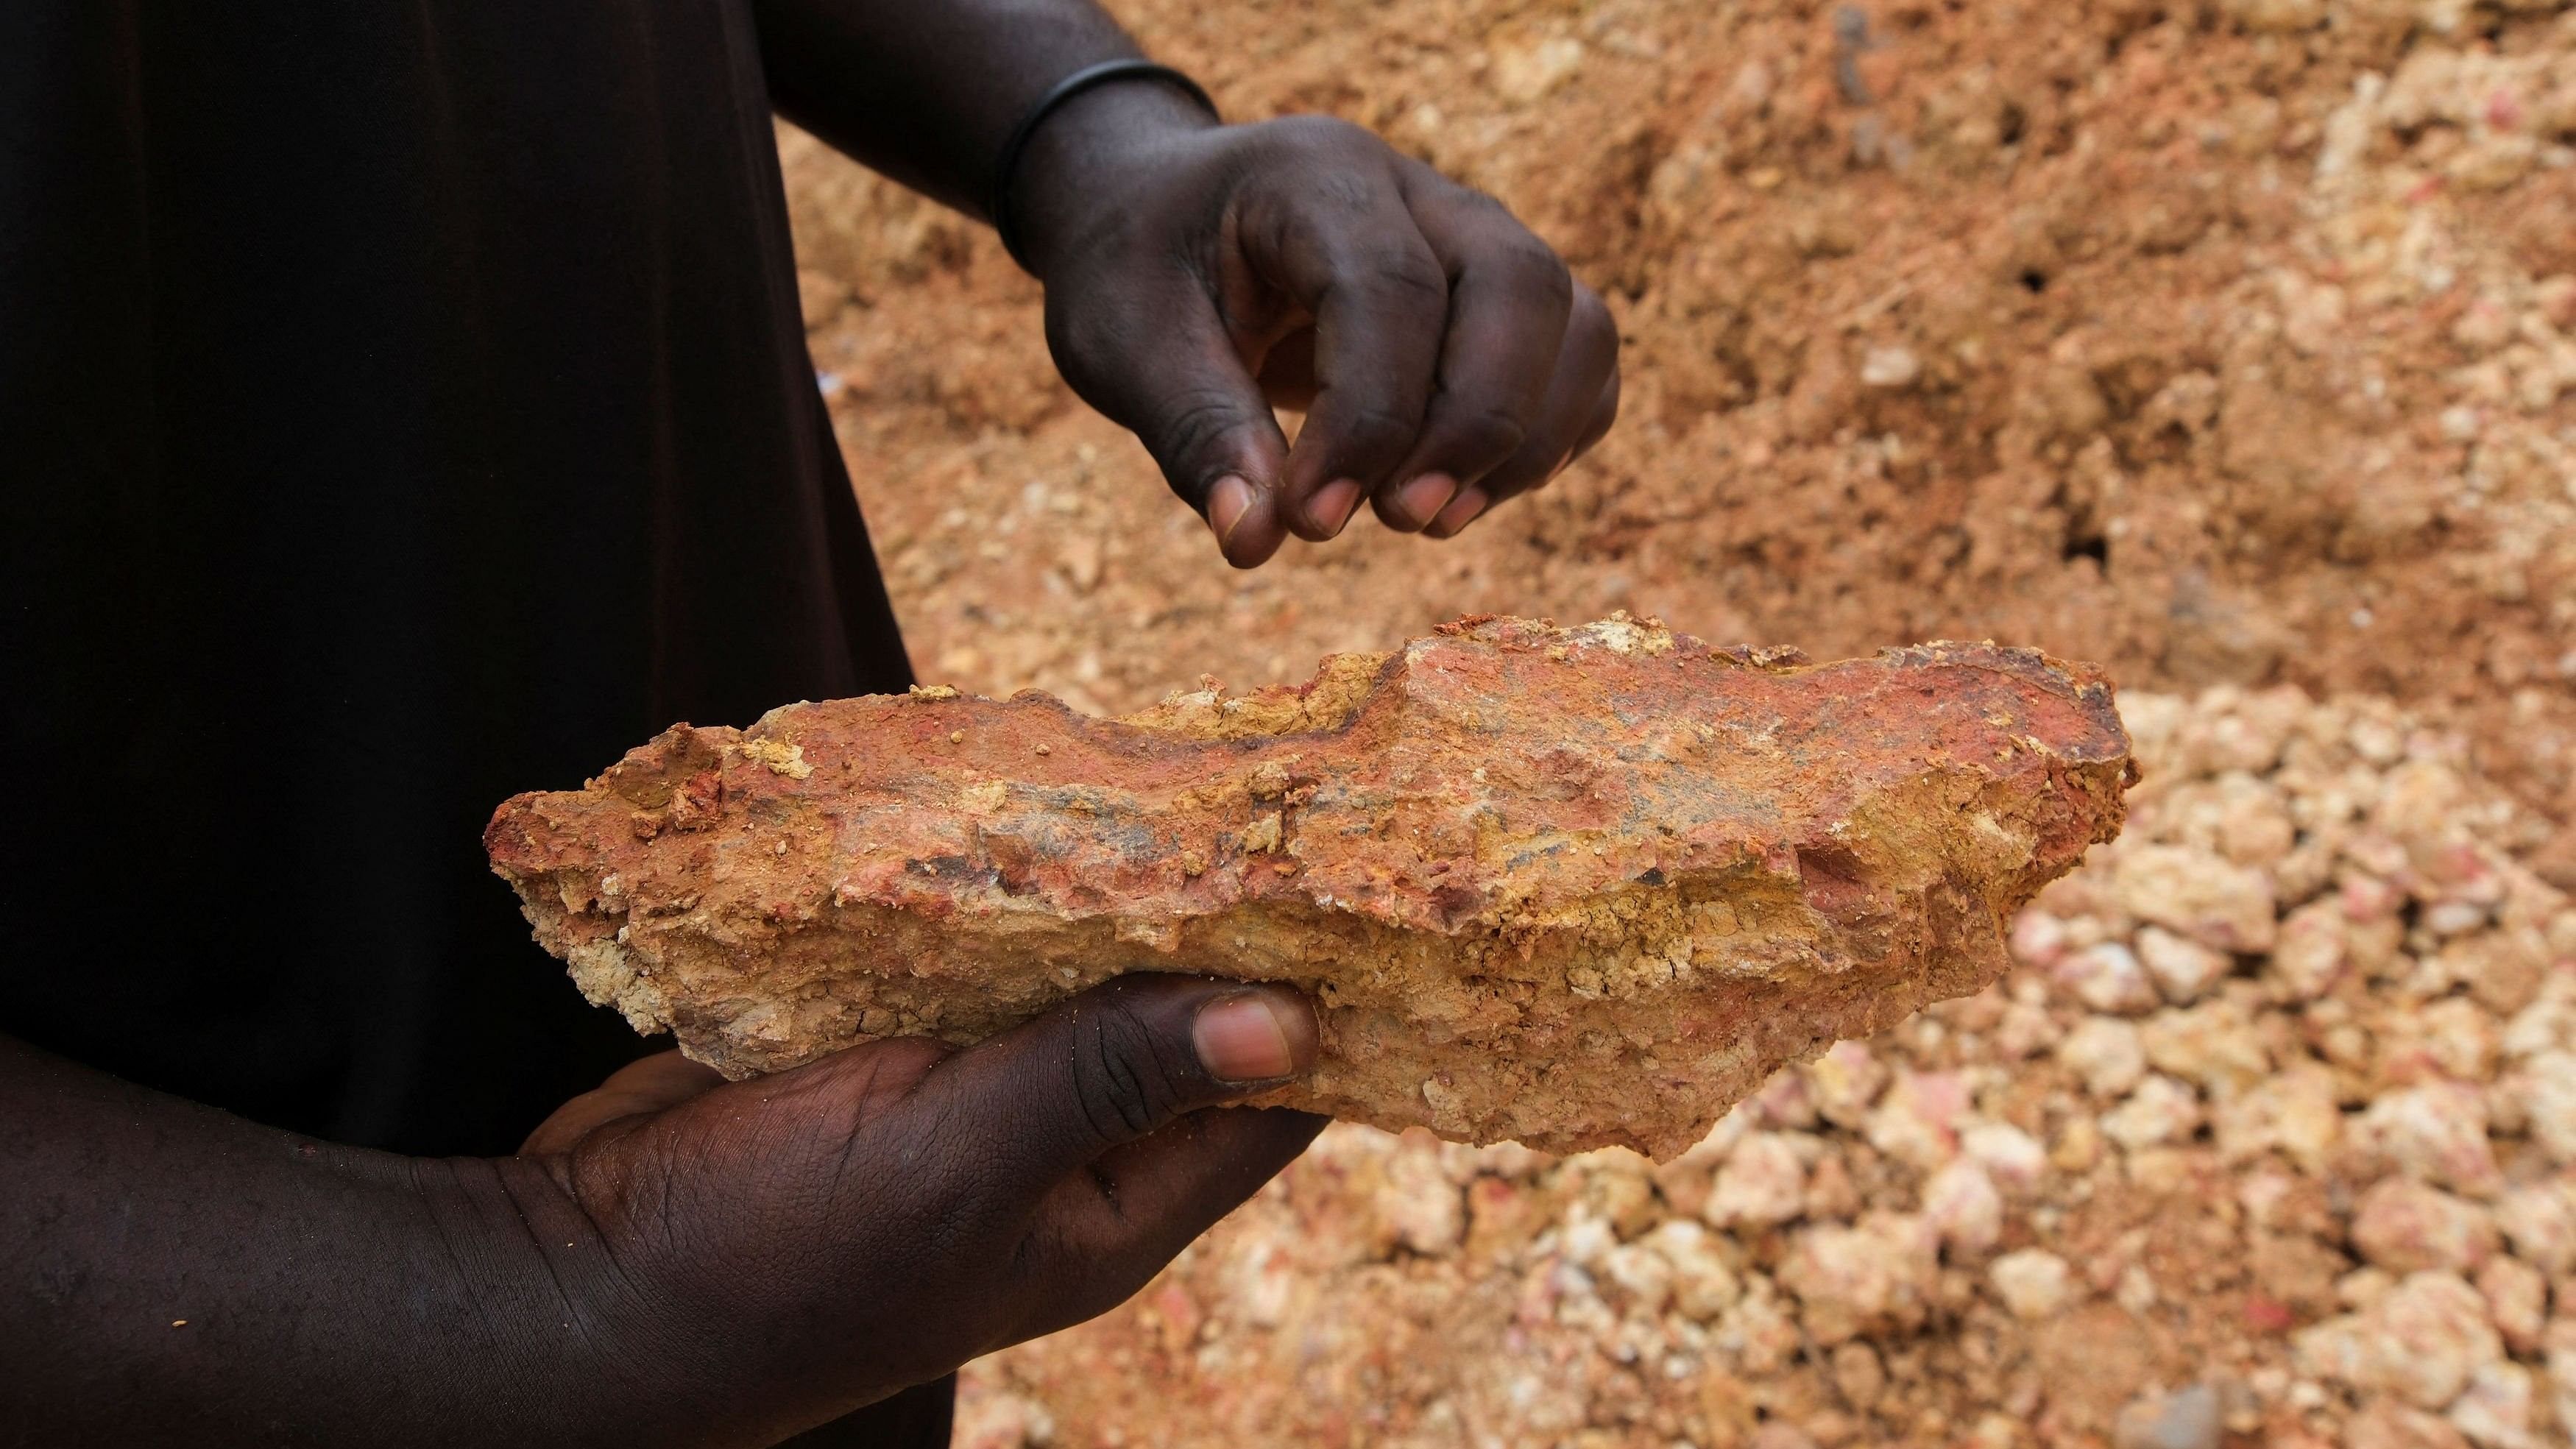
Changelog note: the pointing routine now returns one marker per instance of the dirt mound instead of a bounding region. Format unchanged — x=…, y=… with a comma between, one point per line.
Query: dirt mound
x=2229, y=343
x=2220, y=343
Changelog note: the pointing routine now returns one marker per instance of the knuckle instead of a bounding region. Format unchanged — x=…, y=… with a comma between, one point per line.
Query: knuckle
x=1536, y=269
x=1377, y=432
x=1189, y=427
x=1124, y=1078
x=1410, y=273
x=1591, y=324
x=1482, y=434
x=1516, y=253
x=1324, y=133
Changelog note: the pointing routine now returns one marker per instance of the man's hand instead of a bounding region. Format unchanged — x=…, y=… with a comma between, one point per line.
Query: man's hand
x=671, y=1260
x=833, y=1234
x=1199, y=275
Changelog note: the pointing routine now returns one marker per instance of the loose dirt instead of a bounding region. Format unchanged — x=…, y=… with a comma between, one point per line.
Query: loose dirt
x=2231, y=344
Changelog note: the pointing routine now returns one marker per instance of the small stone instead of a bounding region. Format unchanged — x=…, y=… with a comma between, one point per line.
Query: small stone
x=1762, y=1181
x=2199, y=894
x=1859, y=1375
x=2026, y=1031
x=2013, y=1159
x=2362, y=1289
x=2158, y=1171
x=2106, y=1054
x=1845, y=1081
x=2547, y=1087
x=1787, y=1100
x=2517, y=1300
x=2460, y=1038
x=1832, y=1195
x=2213, y=1044
x=1422, y=1209
x=2183, y=968
x=1890, y=367
x=1964, y=1209
x=2505, y=970
x=2277, y=15
x=2188, y=1419
x=2438, y=1133
x=1875, y=1276
x=1641, y=1276
x=2161, y=1110
x=2106, y=976
x=2387, y=1424
x=2421, y=1342
x=2078, y=1147
x=2407, y=1226
x=2311, y=953
x=2559, y=1350
x=2254, y=828
x=2495, y=1410
x=1702, y=1285
x=1916, y=1122
x=2286, y=1202
x=2540, y=1222
x=2295, y=1112
x=2037, y=938
x=2548, y=1023
x=2455, y=918
x=2033, y=1283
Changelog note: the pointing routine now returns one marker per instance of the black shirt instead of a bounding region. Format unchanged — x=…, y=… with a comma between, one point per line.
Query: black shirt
x=401, y=406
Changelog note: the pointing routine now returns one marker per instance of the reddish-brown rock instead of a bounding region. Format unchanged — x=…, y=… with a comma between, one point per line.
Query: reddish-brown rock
x=1567, y=886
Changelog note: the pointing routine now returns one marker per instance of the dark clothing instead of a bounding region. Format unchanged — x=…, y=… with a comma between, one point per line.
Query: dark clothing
x=401, y=406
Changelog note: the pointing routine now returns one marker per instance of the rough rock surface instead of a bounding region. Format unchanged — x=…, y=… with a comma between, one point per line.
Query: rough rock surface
x=1571, y=887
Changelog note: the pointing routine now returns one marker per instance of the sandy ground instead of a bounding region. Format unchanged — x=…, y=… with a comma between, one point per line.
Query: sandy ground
x=2229, y=344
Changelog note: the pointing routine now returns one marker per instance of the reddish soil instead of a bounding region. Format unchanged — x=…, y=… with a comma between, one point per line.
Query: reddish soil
x=2228, y=344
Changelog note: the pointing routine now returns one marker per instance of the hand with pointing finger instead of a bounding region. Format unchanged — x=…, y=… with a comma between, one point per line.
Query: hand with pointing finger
x=1199, y=275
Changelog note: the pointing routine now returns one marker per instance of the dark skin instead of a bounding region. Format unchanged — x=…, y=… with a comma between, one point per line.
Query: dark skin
x=1199, y=275
x=674, y=1260
x=669, y=1260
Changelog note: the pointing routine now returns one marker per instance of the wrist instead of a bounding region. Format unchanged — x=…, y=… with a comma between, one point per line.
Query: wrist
x=578, y=1329
x=1086, y=154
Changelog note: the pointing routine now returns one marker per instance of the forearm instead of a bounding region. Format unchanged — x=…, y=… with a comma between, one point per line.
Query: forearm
x=927, y=94
x=167, y=1270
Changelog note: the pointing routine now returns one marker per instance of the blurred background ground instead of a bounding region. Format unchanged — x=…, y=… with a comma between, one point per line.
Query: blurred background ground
x=2231, y=344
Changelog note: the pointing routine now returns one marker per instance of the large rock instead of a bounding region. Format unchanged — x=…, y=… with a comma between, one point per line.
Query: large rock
x=1575, y=887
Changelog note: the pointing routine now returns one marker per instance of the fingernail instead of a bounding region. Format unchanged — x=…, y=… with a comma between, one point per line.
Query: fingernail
x=1422, y=499
x=1228, y=501
x=1331, y=508
x=1242, y=1039
x=1462, y=510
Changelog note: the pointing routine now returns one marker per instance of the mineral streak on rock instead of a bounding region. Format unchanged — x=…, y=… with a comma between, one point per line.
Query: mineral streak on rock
x=1574, y=887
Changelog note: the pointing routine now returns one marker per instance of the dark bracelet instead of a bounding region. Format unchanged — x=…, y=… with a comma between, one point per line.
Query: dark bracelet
x=1064, y=90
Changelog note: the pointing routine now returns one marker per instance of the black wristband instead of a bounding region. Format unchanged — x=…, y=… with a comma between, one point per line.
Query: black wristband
x=1008, y=160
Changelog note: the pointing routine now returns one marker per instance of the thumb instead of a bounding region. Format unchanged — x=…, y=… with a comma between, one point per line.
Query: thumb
x=1116, y=1063
x=1160, y=363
